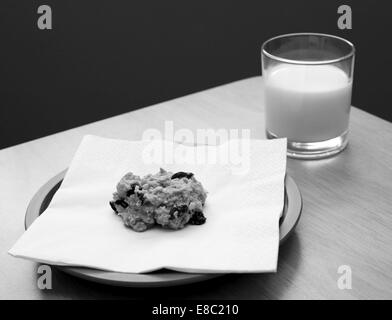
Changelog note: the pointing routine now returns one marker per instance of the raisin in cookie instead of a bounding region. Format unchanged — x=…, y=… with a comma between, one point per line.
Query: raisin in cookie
x=167, y=199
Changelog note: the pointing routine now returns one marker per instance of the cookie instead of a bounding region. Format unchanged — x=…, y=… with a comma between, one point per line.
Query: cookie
x=165, y=199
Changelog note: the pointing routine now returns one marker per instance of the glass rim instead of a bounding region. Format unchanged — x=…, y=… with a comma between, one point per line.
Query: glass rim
x=304, y=62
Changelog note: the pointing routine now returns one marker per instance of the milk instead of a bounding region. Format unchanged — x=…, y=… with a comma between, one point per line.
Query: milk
x=307, y=103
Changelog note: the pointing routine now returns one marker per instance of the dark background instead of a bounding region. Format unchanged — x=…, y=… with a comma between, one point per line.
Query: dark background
x=106, y=57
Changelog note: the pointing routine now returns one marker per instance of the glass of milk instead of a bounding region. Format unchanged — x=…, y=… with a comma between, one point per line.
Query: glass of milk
x=307, y=92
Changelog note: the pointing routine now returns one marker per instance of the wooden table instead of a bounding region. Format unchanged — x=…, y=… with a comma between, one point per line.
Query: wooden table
x=346, y=218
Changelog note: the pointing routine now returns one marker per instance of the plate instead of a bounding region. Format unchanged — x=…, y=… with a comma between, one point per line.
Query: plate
x=41, y=200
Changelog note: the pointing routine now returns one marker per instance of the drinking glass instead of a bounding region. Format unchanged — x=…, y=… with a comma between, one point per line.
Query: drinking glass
x=307, y=89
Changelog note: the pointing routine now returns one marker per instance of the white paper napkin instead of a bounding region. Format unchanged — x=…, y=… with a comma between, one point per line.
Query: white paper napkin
x=244, y=203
